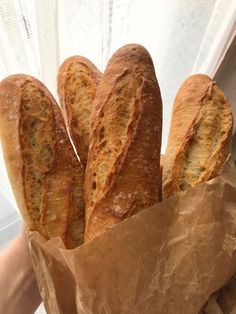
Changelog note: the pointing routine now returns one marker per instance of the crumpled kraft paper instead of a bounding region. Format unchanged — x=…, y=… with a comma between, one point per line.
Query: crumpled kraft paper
x=175, y=257
x=222, y=301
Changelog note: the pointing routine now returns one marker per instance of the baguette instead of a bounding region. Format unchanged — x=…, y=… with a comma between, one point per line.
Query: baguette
x=45, y=174
x=78, y=79
x=123, y=173
x=199, y=137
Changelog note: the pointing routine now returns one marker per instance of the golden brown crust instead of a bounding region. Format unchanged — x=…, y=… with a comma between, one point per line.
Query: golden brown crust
x=123, y=171
x=78, y=79
x=199, y=136
x=45, y=174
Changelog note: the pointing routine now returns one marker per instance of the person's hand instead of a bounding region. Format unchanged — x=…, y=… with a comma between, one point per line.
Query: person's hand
x=19, y=290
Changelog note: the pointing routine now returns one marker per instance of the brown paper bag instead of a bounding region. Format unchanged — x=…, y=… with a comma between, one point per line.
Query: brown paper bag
x=170, y=258
x=223, y=301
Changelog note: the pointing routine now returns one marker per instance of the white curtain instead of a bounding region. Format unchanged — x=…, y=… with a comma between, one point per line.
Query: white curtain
x=182, y=36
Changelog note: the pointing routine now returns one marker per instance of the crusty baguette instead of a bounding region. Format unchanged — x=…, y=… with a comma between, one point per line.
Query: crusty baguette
x=123, y=172
x=199, y=137
x=45, y=174
x=78, y=79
